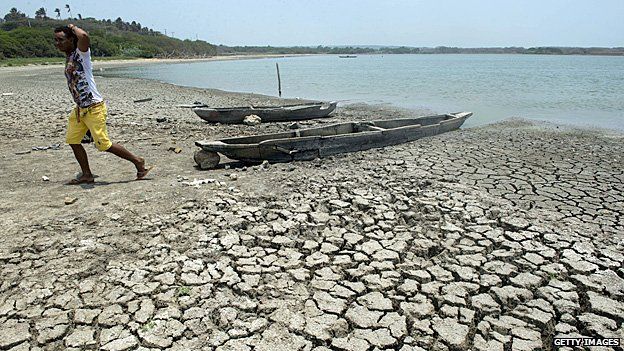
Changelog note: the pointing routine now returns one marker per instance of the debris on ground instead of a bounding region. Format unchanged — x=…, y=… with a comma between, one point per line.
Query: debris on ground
x=143, y=100
x=43, y=148
x=70, y=200
x=252, y=120
x=197, y=182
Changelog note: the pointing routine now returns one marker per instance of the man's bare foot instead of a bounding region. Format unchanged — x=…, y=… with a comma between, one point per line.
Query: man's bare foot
x=84, y=179
x=142, y=171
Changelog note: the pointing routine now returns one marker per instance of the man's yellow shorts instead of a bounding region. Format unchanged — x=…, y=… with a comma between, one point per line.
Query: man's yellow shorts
x=91, y=118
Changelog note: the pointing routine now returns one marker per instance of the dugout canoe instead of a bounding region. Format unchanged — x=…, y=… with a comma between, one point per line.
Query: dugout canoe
x=284, y=113
x=307, y=144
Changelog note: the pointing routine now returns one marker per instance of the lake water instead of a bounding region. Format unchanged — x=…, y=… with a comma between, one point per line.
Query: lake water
x=576, y=90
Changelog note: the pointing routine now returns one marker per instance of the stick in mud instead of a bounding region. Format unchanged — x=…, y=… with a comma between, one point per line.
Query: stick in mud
x=279, y=81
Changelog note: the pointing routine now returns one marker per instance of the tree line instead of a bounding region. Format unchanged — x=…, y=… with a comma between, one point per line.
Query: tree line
x=342, y=50
x=22, y=36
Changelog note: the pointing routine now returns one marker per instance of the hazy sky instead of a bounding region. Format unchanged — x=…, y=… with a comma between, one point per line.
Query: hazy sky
x=463, y=23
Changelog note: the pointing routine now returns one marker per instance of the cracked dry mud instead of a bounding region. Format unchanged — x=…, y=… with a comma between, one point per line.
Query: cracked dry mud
x=492, y=238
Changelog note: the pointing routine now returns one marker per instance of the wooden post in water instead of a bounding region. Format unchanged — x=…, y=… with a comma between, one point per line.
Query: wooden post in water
x=279, y=81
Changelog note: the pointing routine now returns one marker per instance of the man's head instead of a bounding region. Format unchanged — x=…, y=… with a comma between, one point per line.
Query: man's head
x=65, y=39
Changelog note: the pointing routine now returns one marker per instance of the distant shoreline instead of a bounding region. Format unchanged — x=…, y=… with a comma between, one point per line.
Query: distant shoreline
x=137, y=62
x=388, y=50
x=251, y=56
x=143, y=61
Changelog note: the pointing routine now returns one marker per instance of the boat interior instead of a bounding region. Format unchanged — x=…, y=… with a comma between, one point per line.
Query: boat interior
x=302, y=104
x=344, y=128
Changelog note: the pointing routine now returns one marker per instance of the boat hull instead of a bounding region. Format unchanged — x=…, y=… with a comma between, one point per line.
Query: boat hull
x=307, y=144
x=236, y=115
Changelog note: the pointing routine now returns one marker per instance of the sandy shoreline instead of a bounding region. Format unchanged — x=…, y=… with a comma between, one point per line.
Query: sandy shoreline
x=494, y=237
x=140, y=61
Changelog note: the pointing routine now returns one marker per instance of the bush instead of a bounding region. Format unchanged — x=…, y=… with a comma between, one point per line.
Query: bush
x=132, y=52
x=101, y=47
x=10, y=47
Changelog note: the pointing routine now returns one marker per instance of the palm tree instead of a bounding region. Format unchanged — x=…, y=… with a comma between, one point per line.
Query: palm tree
x=68, y=10
x=79, y=16
x=58, y=12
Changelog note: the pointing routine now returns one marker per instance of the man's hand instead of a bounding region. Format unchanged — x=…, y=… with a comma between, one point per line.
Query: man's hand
x=83, y=37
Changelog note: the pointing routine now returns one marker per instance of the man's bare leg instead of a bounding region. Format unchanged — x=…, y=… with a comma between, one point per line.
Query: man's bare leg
x=83, y=161
x=139, y=162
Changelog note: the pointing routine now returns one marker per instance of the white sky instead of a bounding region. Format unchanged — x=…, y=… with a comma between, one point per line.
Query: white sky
x=476, y=23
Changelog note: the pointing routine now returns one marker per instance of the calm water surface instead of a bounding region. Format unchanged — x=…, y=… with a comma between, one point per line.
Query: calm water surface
x=576, y=90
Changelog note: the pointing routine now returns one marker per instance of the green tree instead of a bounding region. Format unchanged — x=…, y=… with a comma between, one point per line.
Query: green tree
x=41, y=13
x=9, y=47
x=68, y=10
x=14, y=15
x=102, y=47
x=35, y=42
x=58, y=13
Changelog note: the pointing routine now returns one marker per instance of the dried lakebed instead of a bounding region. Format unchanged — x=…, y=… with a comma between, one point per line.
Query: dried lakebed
x=492, y=238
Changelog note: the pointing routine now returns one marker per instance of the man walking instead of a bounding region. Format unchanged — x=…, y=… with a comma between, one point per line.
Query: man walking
x=90, y=111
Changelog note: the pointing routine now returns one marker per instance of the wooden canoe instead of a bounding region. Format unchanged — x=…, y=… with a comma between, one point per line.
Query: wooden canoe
x=307, y=144
x=285, y=113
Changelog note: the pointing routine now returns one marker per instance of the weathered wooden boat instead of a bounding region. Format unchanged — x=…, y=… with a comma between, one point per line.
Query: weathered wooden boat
x=282, y=113
x=307, y=144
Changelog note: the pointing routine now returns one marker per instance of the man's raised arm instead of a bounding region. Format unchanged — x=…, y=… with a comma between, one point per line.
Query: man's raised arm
x=83, y=37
